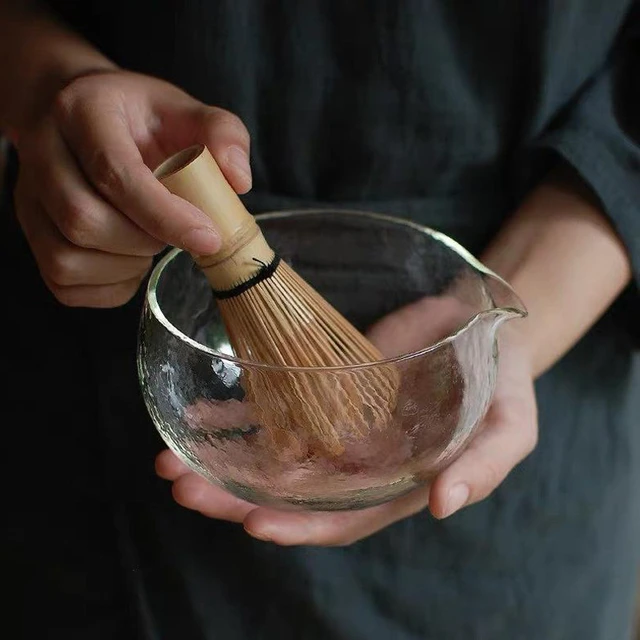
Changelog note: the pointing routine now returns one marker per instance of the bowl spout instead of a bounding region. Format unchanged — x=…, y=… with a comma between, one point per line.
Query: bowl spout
x=504, y=302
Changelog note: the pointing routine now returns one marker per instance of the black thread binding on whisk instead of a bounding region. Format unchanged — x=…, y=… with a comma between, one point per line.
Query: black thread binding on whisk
x=265, y=271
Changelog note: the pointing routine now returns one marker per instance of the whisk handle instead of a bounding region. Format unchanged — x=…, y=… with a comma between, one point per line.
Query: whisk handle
x=195, y=176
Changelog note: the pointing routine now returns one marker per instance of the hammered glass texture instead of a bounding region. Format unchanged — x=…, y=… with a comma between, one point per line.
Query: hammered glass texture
x=367, y=266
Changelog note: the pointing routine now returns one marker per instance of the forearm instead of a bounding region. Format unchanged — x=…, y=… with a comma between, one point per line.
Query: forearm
x=564, y=259
x=38, y=56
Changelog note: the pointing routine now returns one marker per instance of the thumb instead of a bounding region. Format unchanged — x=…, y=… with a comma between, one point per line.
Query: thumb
x=228, y=140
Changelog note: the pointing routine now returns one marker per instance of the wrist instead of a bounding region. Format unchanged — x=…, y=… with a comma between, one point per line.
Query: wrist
x=565, y=261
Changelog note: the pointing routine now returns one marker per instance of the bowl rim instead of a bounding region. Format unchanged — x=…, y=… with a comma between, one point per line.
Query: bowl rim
x=151, y=300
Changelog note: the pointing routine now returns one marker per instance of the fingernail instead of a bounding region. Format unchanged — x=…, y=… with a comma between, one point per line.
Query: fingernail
x=237, y=157
x=201, y=241
x=457, y=498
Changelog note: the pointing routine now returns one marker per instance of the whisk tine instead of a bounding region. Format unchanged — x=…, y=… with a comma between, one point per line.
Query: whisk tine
x=332, y=317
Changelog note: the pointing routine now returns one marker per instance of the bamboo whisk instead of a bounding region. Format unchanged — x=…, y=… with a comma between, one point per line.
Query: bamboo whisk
x=272, y=316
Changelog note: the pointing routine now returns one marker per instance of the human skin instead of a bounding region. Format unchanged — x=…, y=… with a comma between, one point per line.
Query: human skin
x=87, y=132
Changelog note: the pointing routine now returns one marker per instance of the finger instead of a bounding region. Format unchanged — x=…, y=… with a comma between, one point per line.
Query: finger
x=224, y=134
x=65, y=265
x=330, y=528
x=106, y=296
x=100, y=138
x=169, y=467
x=507, y=438
x=81, y=214
x=195, y=493
x=228, y=141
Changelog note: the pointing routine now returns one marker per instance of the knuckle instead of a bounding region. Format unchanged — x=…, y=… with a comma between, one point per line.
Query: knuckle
x=63, y=103
x=72, y=94
x=181, y=494
x=65, y=100
x=78, y=224
x=108, y=175
x=223, y=119
x=60, y=267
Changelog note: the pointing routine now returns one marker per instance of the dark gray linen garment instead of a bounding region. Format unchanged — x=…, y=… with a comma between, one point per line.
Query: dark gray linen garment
x=446, y=112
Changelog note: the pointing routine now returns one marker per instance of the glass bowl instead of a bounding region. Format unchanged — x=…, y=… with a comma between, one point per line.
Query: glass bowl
x=431, y=308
